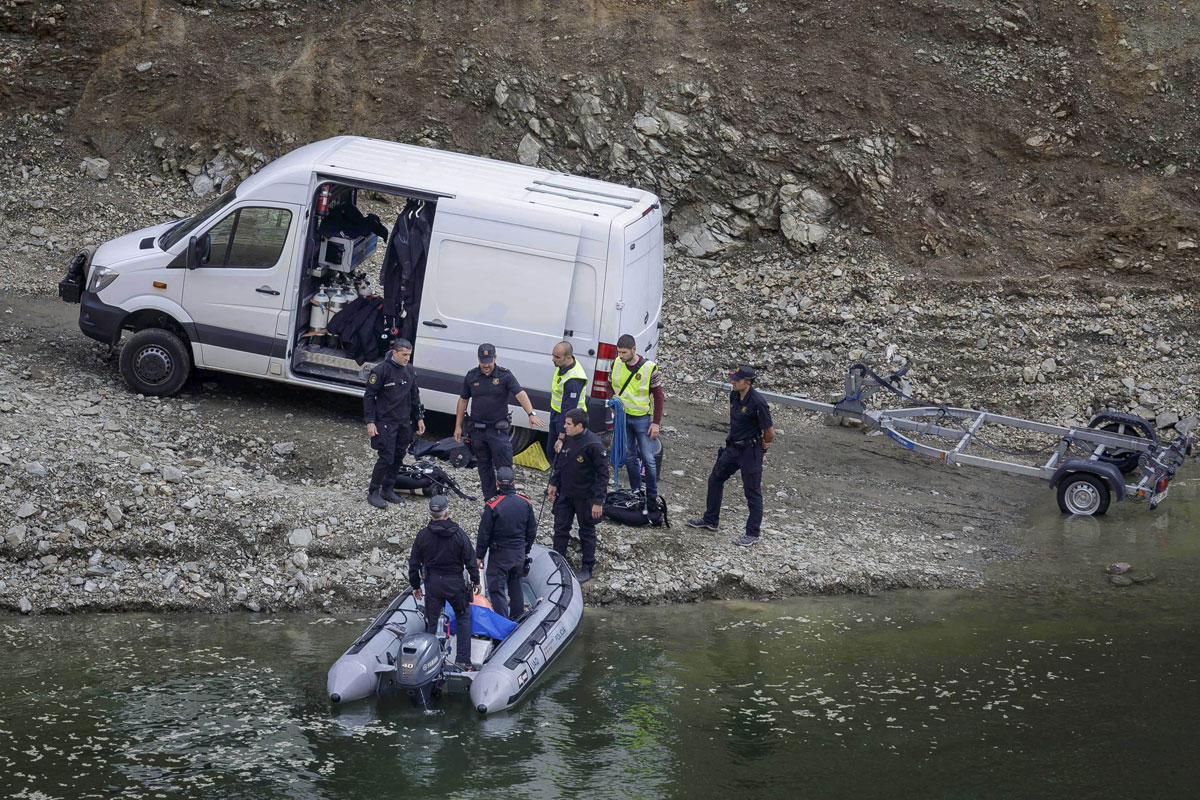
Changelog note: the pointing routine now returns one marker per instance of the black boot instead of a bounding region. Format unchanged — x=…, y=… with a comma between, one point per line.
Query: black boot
x=584, y=575
x=375, y=499
x=390, y=495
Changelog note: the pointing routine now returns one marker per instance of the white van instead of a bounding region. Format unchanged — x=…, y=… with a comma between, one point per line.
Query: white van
x=512, y=255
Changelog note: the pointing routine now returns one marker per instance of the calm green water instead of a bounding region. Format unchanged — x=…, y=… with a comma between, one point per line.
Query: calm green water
x=1056, y=685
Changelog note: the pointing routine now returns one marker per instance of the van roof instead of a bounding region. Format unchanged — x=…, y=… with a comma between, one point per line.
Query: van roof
x=439, y=172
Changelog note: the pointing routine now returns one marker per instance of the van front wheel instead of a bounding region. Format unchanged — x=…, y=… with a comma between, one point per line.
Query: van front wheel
x=155, y=362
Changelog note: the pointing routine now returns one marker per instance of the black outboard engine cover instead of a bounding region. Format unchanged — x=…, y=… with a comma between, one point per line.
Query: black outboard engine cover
x=419, y=667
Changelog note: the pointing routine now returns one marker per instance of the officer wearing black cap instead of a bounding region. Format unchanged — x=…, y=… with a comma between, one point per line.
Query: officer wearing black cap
x=750, y=435
x=578, y=487
x=392, y=406
x=507, y=529
x=444, y=550
x=487, y=388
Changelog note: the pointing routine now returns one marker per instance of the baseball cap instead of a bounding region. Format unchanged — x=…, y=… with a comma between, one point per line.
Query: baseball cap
x=438, y=503
x=744, y=371
x=487, y=353
x=504, y=475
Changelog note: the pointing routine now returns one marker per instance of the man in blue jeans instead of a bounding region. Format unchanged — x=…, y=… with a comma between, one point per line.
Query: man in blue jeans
x=637, y=382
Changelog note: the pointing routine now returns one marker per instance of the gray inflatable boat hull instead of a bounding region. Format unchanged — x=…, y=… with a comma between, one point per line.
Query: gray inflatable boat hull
x=367, y=668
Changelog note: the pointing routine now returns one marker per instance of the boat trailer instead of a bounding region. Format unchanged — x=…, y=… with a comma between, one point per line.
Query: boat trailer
x=1113, y=448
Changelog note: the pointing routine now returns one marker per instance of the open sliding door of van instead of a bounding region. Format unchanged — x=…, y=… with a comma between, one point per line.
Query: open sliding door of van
x=496, y=273
x=642, y=280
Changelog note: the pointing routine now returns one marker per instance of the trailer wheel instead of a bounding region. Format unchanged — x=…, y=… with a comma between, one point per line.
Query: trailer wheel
x=155, y=362
x=1083, y=494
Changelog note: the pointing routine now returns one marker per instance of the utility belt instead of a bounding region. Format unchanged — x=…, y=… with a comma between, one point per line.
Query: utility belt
x=502, y=425
x=743, y=442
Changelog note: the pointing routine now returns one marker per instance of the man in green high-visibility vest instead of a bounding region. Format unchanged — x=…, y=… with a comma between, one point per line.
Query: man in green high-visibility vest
x=567, y=391
x=637, y=383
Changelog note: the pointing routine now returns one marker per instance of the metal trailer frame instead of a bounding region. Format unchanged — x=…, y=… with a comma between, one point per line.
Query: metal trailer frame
x=1084, y=484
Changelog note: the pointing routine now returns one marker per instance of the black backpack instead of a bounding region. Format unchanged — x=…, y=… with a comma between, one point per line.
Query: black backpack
x=628, y=508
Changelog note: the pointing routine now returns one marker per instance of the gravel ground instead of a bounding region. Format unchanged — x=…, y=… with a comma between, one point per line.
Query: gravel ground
x=245, y=494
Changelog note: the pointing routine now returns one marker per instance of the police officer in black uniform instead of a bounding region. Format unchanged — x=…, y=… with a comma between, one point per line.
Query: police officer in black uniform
x=488, y=388
x=392, y=406
x=507, y=528
x=750, y=435
x=443, y=549
x=578, y=487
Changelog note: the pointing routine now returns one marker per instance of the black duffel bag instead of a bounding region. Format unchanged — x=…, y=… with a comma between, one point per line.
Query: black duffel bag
x=427, y=479
x=457, y=454
x=629, y=508
x=413, y=480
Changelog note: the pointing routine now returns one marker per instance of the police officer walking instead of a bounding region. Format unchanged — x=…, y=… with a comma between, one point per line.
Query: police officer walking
x=750, y=435
x=577, y=489
x=443, y=550
x=566, y=390
x=487, y=388
x=507, y=529
x=392, y=406
x=637, y=383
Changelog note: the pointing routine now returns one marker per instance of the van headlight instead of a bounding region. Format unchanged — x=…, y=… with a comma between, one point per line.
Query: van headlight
x=100, y=278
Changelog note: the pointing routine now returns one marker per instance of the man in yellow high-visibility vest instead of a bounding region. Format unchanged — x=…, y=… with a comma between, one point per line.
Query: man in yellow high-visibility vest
x=567, y=391
x=637, y=382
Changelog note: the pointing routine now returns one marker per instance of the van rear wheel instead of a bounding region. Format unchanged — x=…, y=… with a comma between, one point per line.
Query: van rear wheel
x=520, y=438
x=155, y=362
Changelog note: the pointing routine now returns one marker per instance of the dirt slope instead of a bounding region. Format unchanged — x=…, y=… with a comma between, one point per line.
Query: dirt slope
x=1008, y=138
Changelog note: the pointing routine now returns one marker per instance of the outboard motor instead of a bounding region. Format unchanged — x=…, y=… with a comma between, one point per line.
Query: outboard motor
x=419, y=668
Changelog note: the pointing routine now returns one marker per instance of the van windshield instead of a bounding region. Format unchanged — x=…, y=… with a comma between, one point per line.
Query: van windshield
x=185, y=227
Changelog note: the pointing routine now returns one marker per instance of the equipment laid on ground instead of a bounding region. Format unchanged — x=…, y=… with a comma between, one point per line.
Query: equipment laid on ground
x=397, y=654
x=427, y=479
x=630, y=508
x=457, y=454
x=1112, y=445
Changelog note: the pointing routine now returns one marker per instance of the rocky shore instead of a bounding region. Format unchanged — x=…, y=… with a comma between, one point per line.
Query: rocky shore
x=239, y=494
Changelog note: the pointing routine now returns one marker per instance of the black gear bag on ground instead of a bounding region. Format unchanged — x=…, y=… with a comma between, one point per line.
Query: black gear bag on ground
x=412, y=480
x=628, y=508
x=427, y=479
x=458, y=454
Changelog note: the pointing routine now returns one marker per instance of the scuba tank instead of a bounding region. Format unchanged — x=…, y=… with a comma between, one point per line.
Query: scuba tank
x=319, y=317
x=351, y=295
x=336, y=304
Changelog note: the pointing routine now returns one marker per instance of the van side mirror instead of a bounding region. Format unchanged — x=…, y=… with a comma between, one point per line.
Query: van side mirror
x=194, y=252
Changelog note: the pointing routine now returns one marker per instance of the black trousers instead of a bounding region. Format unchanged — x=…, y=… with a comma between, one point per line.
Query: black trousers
x=492, y=449
x=391, y=443
x=504, y=582
x=554, y=428
x=442, y=589
x=566, y=511
x=731, y=458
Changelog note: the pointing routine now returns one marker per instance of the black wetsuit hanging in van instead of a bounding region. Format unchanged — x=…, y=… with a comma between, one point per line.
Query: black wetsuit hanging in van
x=404, y=268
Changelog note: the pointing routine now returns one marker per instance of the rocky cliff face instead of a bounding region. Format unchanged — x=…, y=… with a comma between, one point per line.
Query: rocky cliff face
x=981, y=140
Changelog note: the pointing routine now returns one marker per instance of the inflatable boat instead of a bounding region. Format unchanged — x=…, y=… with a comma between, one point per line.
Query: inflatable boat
x=397, y=654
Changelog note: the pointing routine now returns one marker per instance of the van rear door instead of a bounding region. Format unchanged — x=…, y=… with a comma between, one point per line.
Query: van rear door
x=496, y=274
x=641, y=280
